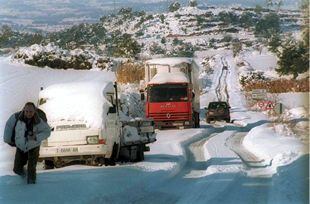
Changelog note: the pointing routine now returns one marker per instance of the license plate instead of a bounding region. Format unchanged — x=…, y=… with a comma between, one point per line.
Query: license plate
x=147, y=129
x=67, y=150
x=177, y=124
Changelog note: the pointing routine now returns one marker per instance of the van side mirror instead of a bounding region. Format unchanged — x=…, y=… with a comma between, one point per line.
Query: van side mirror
x=112, y=109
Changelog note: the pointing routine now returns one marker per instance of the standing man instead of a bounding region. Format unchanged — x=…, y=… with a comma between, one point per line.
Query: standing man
x=26, y=130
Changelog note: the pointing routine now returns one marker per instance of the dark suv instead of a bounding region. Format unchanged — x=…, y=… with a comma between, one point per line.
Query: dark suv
x=218, y=111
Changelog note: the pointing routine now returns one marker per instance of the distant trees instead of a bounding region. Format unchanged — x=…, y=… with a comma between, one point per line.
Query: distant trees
x=275, y=3
x=162, y=18
x=200, y=20
x=192, y=3
x=268, y=25
x=293, y=59
x=228, y=17
x=305, y=25
x=248, y=19
x=78, y=35
x=174, y=6
x=156, y=49
x=122, y=45
x=183, y=50
x=10, y=38
x=274, y=42
x=236, y=47
x=126, y=12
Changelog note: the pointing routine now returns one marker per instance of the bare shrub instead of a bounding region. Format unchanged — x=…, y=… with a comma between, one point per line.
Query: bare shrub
x=279, y=86
x=130, y=72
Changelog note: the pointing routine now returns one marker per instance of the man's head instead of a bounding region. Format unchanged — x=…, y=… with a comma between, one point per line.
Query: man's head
x=29, y=110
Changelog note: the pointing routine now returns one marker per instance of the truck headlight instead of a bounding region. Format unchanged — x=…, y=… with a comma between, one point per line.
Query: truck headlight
x=94, y=139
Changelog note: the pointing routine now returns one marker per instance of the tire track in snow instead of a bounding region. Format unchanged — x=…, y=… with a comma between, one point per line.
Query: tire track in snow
x=221, y=88
x=250, y=160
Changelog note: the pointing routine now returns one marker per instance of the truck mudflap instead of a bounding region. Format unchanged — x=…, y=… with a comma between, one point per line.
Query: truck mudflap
x=138, y=132
x=134, y=136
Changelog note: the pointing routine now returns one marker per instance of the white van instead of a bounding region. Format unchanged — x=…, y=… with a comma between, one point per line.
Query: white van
x=86, y=126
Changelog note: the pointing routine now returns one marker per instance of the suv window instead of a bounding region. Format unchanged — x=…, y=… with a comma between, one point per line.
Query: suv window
x=217, y=105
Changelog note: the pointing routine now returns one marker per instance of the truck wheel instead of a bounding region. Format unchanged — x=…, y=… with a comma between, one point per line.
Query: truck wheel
x=48, y=164
x=197, y=121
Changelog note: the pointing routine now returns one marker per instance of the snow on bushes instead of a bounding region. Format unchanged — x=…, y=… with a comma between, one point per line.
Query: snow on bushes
x=52, y=56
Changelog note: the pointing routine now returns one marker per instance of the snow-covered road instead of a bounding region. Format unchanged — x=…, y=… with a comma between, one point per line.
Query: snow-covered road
x=183, y=166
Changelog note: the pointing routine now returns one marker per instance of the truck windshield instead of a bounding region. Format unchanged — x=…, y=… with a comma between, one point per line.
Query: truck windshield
x=168, y=92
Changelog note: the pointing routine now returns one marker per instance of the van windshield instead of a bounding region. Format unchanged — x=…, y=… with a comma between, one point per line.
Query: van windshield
x=168, y=92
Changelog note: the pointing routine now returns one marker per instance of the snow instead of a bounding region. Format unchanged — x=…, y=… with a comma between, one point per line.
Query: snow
x=294, y=99
x=82, y=101
x=169, y=77
x=278, y=144
x=21, y=83
x=261, y=61
x=169, y=61
x=184, y=166
x=274, y=148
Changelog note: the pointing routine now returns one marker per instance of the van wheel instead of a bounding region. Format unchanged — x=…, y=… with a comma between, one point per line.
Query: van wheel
x=48, y=164
x=114, y=156
x=140, y=153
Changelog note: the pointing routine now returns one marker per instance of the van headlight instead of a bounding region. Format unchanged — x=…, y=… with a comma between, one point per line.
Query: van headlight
x=44, y=143
x=94, y=139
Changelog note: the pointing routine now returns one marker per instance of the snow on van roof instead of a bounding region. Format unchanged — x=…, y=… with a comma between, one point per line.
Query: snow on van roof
x=166, y=77
x=172, y=61
x=80, y=101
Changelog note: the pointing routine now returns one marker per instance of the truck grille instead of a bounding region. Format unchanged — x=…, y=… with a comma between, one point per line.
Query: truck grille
x=169, y=116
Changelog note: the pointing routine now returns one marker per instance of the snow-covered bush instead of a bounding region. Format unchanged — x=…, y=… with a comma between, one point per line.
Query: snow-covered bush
x=54, y=57
x=130, y=99
x=183, y=50
x=156, y=49
x=252, y=77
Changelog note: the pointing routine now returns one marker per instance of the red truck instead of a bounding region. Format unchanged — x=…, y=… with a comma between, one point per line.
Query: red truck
x=171, y=91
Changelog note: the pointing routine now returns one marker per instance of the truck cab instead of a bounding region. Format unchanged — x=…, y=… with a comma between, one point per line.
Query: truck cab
x=172, y=93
